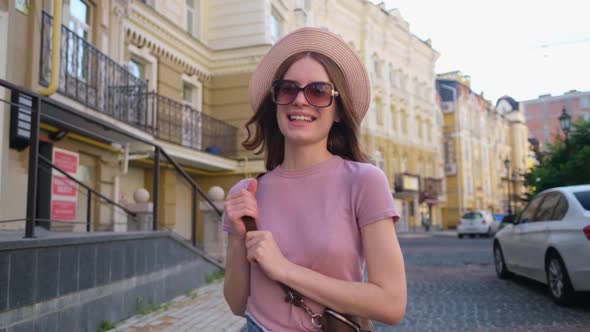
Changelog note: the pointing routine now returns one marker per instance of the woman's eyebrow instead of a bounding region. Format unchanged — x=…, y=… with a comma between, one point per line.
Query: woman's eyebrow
x=292, y=80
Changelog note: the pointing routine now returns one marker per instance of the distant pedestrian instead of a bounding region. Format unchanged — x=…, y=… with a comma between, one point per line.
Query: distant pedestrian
x=322, y=211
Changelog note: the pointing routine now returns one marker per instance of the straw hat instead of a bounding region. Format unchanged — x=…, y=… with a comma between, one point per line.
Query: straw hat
x=320, y=41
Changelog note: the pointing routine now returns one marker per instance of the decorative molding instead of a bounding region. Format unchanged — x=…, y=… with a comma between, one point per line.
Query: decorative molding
x=146, y=29
x=121, y=8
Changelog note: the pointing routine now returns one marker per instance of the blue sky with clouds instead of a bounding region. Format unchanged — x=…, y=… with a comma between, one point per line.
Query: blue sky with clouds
x=522, y=48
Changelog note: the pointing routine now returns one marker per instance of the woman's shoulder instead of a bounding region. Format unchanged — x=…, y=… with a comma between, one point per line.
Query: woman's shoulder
x=363, y=170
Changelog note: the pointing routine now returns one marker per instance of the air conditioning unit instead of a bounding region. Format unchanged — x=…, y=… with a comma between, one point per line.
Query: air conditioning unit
x=448, y=107
x=450, y=169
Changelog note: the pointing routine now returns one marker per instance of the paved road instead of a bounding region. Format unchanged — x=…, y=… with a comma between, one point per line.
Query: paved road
x=452, y=286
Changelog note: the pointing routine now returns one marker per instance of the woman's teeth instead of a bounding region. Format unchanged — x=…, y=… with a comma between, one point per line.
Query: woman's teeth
x=300, y=118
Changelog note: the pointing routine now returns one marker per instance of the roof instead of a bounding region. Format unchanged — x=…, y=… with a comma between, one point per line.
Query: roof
x=510, y=100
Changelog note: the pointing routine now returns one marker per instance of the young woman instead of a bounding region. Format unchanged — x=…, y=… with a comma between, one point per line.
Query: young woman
x=323, y=212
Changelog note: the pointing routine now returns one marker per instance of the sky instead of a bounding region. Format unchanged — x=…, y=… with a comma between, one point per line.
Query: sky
x=520, y=48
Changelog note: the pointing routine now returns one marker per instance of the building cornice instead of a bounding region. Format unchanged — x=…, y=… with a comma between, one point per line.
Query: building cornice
x=147, y=28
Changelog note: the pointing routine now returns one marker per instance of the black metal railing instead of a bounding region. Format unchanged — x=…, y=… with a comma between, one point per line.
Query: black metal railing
x=92, y=78
x=35, y=160
x=180, y=123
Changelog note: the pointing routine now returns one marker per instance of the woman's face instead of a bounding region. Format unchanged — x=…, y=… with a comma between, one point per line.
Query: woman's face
x=300, y=122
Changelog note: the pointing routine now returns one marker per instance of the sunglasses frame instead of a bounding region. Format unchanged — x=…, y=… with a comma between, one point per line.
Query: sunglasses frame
x=333, y=94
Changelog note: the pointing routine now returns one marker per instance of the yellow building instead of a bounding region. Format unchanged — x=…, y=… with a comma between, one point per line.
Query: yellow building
x=175, y=74
x=478, y=139
x=171, y=74
x=402, y=130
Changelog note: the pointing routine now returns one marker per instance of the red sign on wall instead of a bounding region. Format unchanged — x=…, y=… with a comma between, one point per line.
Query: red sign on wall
x=63, y=210
x=63, y=186
x=64, y=192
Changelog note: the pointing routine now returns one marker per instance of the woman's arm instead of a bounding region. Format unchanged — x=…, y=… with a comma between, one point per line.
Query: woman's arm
x=236, y=286
x=382, y=298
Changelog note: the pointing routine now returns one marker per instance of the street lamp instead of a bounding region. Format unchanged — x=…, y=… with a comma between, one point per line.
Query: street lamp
x=507, y=165
x=565, y=122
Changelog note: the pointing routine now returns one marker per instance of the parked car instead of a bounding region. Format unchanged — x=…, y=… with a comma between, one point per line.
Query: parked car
x=479, y=222
x=549, y=242
x=498, y=218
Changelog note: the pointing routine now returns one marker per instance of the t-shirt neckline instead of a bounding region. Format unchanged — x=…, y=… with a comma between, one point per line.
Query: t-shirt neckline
x=314, y=169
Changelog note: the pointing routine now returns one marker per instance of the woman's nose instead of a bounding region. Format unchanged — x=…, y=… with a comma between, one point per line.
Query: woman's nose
x=300, y=98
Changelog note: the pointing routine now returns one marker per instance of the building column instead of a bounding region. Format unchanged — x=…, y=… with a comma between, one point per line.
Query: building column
x=4, y=114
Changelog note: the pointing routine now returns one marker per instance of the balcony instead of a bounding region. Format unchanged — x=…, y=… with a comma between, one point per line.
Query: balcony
x=181, y=124
x=91, y=78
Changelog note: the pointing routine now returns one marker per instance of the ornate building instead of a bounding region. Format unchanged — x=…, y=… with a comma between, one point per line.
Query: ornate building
x=478, y=140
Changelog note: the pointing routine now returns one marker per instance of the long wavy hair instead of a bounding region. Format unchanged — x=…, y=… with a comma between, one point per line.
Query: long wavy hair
x=343, y=138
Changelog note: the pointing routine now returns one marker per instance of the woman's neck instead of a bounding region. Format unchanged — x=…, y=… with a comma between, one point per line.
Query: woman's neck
x=302, y=157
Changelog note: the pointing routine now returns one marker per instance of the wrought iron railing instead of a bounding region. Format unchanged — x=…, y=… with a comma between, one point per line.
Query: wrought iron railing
x=92, y=78
x=180, y=123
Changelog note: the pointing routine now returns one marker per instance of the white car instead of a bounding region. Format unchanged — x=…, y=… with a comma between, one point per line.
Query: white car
x=480, y=222
x=550, y=242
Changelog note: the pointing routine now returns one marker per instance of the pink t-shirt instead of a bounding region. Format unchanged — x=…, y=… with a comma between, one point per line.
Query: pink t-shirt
x=314, y=215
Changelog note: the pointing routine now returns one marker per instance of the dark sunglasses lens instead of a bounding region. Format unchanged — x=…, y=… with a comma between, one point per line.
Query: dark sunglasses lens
x=319, y=94
x=285, y=92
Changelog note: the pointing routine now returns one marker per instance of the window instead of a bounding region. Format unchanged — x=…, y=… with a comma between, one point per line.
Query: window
x=545, y=212
x=419, y=127
x=393, y=120
x=560, y=209
x=79, y=24
x=379, y=162
x=584, y=199
x=380, y=115
x=193, y=21
x=472, y=215
x=276, y=26
x=378, y=69
x=529, y=212
x=137, y=69
x=188, y=93
x=404, y=122
x=584, y=102
x=80, y=18
x=448, y=151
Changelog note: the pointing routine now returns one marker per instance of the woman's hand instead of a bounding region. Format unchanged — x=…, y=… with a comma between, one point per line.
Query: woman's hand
x=263, y=250
x=242, y=203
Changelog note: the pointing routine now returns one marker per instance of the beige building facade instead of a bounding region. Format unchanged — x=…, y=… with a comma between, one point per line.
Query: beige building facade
x=478, y=140
x=175, y=74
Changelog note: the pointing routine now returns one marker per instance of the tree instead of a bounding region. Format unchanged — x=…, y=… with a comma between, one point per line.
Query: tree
x=565, y=164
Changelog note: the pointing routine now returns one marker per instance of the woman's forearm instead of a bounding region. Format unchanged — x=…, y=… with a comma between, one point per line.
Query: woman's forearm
x=236, y=287
x=355, y=298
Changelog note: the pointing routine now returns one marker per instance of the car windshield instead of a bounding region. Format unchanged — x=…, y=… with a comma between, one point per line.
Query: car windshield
x=584, y=199
x=499, y=217
x=472, y=215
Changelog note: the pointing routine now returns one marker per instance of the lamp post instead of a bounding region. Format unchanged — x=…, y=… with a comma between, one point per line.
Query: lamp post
x=565, y=122
x=507, y=165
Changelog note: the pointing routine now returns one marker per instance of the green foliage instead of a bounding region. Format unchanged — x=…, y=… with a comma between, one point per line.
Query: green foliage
x=191, y=293
x=144, y=308
x=564, y=164
x=212, y=277
x=106, y=326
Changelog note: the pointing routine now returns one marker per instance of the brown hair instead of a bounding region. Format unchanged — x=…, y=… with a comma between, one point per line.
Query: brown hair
x=343, y=139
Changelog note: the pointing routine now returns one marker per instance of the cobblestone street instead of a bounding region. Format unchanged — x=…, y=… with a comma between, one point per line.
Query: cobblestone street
x=452, y=286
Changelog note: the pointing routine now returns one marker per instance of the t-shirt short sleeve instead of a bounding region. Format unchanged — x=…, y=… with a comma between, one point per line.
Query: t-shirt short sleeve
x=227, y=225
x=373, y=198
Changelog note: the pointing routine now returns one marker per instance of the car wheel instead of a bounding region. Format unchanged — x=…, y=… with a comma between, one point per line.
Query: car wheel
x=558, y=281
x=500, y=263
x=460, y=236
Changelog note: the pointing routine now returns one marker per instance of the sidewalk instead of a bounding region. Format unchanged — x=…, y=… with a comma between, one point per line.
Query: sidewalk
x=203, y=310
x=423, y=234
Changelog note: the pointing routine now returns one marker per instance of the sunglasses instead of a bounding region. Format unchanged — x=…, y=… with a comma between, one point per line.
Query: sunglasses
x=317, y=94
